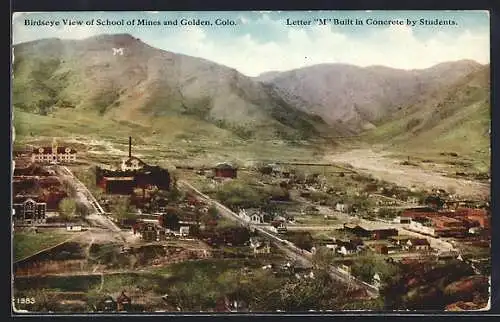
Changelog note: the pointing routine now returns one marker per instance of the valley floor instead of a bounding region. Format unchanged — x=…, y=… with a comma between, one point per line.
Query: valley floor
x=381, y=166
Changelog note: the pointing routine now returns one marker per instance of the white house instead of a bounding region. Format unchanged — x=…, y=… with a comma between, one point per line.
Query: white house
x=333, y=247
x=418, y=244
x=257, y=218
x=402, y=220
x=347, y=250
x=74, y=228
x=184, y=231
x=341, y=207
x=260, y=247
x=132, y=163
x=254, y=216
x=376, y=280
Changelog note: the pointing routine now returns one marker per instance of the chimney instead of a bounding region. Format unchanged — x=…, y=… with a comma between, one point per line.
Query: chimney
x=129, y=146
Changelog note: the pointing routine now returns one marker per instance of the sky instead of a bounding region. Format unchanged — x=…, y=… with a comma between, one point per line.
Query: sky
x=262, y=41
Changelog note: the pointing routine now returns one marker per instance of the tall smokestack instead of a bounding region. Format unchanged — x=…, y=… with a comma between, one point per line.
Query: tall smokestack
x=129, y=146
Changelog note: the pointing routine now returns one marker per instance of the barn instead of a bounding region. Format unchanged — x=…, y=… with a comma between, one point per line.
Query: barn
x=225, y=170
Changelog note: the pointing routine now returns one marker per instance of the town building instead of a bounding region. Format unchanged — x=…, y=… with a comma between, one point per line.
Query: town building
x=399, y=240
x=380, y=249
x=479, y=215
x=29, y=168
x=184, y=231
x=74, y=227
x=131, y=162
x=361, y=231
x=149, y=231
x=29, y=211
x=225, y=170
x=259, y=246
x=402, y=220
x=350, y=247
x=418, y=244
x=123, y=302
x=446, y=222
x=133, y=173
x=419, y=212
x=341, y=207
x=254, y=216
x=53, y=154
x=107, y=304
x=279, y=226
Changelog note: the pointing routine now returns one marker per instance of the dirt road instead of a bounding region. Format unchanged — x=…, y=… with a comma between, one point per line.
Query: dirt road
x=383, y=167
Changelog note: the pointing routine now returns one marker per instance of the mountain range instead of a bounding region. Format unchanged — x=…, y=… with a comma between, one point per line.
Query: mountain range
x=356, y=98
x=146, y=84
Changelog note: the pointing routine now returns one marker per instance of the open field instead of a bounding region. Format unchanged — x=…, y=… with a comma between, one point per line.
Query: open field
x=107, y=140
x=379, y=165
x=27, y=243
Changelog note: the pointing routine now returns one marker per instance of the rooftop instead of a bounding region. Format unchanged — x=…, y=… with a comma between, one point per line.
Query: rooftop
x=224, y=165
x=447, y=219
x=419, y=241
x=119, y=178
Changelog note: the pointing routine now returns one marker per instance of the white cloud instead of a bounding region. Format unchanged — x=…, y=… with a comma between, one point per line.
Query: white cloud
x=395, y=46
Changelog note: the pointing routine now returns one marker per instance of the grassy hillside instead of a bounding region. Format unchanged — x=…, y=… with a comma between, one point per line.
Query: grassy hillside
x=148, y=88
x=353, y=99
x=166, y=140
x=453, y=120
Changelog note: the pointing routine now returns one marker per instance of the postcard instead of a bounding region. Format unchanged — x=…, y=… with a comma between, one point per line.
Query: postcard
x=250, y=162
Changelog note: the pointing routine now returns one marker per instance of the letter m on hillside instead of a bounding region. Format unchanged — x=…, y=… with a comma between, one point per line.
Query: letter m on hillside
x=117, y=51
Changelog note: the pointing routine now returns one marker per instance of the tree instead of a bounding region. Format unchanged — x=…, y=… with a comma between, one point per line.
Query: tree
x=174, y=194
x=213, y=212
x=171, y=220
x=302, y=240
x=81, y=210
x=67, y=208
x=123, y=209
x=323, y=258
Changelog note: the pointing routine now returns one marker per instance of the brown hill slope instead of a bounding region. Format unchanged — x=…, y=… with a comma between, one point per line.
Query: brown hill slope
x=356, y=98
x=146, y=83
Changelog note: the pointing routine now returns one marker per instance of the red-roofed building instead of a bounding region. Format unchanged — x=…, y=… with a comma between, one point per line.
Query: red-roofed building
x=480, y=216
x=225, y=170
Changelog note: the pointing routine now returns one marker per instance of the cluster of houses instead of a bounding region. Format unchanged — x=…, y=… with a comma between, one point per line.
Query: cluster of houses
x=259, y=246
x=340, y=246
x=380, y=241
x=459, y=222
x=257, y=217
x=122, y=303
x=155, y=227
x=376, y=234
x=290, y=269
x=396, y=244
x=151, y=232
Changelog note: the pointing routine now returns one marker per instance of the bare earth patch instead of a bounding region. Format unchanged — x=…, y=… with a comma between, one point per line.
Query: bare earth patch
x=382, y=167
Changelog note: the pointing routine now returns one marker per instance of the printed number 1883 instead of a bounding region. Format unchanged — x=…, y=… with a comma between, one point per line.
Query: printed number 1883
x=24, y=300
